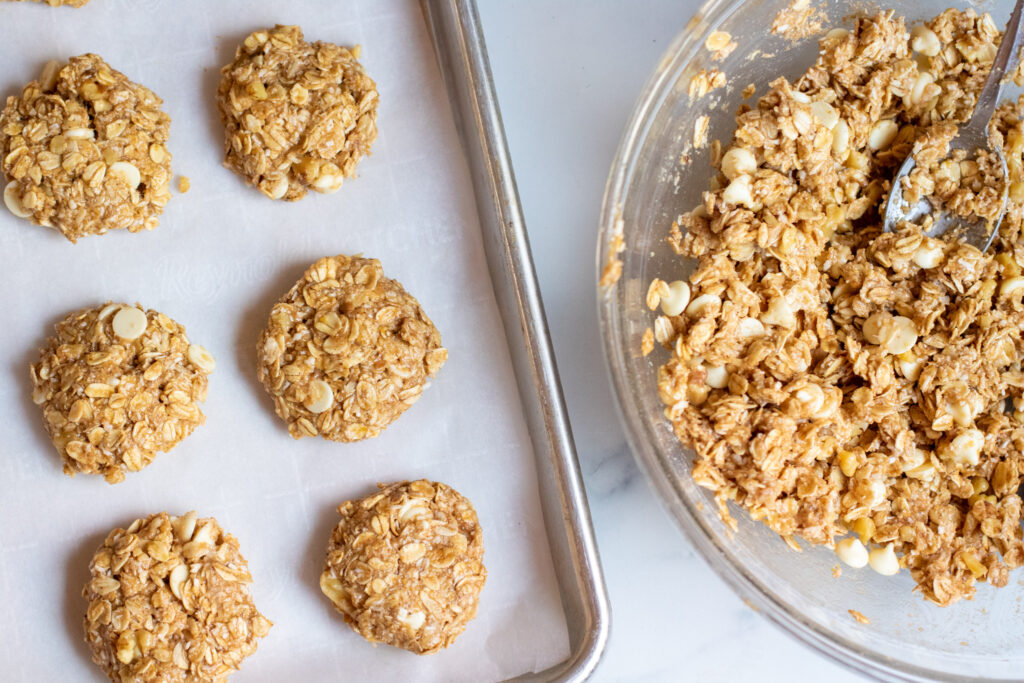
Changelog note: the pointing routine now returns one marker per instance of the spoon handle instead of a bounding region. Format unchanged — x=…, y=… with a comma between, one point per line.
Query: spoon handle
x=1005, y=62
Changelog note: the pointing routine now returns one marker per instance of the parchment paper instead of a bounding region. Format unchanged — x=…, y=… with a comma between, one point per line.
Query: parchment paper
x=219, y=259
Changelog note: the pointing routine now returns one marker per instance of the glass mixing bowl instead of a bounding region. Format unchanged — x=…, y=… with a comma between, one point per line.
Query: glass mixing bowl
x=908, y=638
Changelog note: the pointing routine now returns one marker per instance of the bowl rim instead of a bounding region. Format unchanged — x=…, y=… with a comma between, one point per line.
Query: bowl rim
x=639, y=436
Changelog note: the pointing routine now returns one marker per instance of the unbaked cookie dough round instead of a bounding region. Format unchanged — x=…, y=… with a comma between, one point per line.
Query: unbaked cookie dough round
x=346, y=351
x=169, y=601
x=297, y=115
x=405, y=565
x=117, y=385
x=84, y=150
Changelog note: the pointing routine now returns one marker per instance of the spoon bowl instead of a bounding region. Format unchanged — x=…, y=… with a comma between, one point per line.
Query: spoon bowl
x=971, y=137
x=979, y=232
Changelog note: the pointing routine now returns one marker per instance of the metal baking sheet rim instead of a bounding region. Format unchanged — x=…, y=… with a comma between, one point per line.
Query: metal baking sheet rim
x=462, y=54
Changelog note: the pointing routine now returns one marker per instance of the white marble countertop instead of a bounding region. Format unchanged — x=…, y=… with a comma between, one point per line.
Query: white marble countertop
x=567, y=76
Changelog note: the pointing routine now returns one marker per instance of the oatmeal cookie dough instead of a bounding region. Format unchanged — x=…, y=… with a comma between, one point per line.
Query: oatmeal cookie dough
x=346, y=351
x=405, y=565
x=296, y=115
x=84, y=150
x=169, y=601
x=117, y=385
x=858, y=389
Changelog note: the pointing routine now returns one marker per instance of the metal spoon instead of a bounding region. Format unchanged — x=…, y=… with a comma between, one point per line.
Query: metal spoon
x=970, y=137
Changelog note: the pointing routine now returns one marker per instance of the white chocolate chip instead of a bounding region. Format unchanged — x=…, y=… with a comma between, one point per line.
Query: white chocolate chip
x=894, y=334
x=910, y=366
x=677, y=299
x=811, y=397
x=852, y=552
x=332, y=588
x=201, y=358
x=414, y=620
x=321, y=397
x=882, y=134
x=279, y=189
x=779, y=313
x=803, y=98
x=13, y=201
x=903, y=337
x=962, y=412
x=717, y=376
x=126, y=172
x=966, y=447
x=204, y=536
x=129, y=323
x=825, y=113
x=920, y=88
x=924, y=40
x=965, y=403
x=928, y=255
x=949, y=169
x=328, y=183
x=738, y=161
x=836, y=34
x=739, y=192
x=878, y=493
x=1011, y=285
x=701, y=304
x=750, y=328
x=884, y=561
x=185, y=526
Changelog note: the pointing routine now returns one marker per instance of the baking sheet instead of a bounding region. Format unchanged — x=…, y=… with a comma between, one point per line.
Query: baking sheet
x=220, y=258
